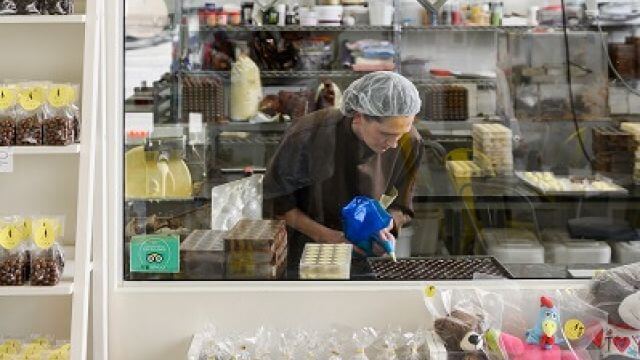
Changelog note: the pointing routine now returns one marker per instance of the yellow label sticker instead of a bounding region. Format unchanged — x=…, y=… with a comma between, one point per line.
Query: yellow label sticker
x=61, y=95
x=574, y=329
x=10, y=237
x=45, y=232
x=430, y=291
x=7, y=97
x=31, y=99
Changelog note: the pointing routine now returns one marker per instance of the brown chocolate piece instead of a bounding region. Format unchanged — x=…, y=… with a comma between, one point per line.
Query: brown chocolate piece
x=29, y=131
x=14, y=269
x=46, y=268
x=59, y=130
x=7, y=132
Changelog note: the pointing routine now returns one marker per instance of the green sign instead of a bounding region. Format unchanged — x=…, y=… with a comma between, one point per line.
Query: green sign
x=155, y=254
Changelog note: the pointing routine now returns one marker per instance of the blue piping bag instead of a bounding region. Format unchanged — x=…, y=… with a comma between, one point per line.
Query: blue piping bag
x=363, y=218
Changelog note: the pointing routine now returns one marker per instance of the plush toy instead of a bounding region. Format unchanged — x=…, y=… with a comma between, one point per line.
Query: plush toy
x=617, y=292
x=547, y=325
x=501, y=345
x=461, y=333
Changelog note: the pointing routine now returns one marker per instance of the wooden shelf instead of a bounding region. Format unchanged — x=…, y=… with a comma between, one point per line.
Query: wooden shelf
x=43, y=19
x=63, y=288
x=46, y=150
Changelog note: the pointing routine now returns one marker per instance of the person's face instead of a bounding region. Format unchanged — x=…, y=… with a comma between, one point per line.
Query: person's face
x=381, y=136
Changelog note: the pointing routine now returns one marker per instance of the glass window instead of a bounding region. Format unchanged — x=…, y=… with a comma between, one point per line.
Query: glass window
x=379, y=140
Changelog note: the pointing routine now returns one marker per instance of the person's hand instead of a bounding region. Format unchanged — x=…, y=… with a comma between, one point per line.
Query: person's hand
x=385, y=235
x=330, y=236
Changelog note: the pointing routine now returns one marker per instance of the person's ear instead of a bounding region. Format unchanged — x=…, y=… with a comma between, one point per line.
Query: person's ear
x=358, y=119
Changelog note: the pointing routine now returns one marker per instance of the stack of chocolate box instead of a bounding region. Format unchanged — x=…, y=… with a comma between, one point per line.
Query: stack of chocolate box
x=446, y=103
x=202, y=255
x=203, y=94
x=614, y=150
x=634, y=129
x=256, y=249
x=492, y=147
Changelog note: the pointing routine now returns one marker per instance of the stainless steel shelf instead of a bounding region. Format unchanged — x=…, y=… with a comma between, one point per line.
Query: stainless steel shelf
x=291, y=74
x=355, y=28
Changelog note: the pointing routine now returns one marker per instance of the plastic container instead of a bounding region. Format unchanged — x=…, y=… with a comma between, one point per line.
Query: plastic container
x=562, y=249
x=326, y=261
x=308, y=17
x=626, y=252
x=411, y=13
x=380, y=13
x=359, y=13
x=425, y=233
x=329, y=15
x=513, y=246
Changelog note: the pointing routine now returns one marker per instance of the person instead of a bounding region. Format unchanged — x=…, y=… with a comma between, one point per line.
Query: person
x=367, y=147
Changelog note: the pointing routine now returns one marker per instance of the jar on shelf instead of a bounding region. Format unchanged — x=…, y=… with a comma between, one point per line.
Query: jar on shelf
x=234, y=17
x=210, y=14
x=247, y=13
x=222, y=18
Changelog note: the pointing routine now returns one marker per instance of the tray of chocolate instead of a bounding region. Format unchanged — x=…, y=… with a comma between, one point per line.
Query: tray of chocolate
x=256, y=235
x=205, y=95
x=446, y=103
x=550, y=184
x=256, y=249
x=437, y=268
x=608, y=138
x=202, y=255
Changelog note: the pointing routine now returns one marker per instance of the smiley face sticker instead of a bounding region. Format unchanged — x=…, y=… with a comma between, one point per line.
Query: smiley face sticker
x=45, y=232
x=61, y=95
x=574, y=329
x=7, y=97
x=31, y=98
x=10, y=237
x=430, y=291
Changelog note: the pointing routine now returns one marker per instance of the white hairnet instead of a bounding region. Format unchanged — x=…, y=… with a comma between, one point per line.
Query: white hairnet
x=382, y=94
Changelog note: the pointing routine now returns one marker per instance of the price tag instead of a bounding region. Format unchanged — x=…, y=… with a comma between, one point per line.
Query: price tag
x=430, y=291
x=574, y=329
x=6, y=160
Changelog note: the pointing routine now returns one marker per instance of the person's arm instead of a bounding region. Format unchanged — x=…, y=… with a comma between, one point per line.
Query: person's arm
x=298, y=220
x=402, y=207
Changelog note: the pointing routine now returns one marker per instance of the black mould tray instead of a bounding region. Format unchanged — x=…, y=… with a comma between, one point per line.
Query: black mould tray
x=437, y=268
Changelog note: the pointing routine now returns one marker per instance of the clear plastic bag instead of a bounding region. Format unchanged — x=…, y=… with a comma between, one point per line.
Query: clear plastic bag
x=60, y=114
x=385, y=347
x=362, y=339
x=412, y=342
x=8, y=7
x=29, y=114
x=58, y=7
x=7, y=115
x=14, y=254
x=47, y=257
x=29, y=7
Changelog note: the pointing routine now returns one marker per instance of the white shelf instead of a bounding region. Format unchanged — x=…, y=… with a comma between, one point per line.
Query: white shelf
x=43, y=19
x=46, y=150
x=63, y=288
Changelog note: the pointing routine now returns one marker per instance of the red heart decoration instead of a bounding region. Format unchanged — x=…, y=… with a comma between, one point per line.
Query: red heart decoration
x=622, y=343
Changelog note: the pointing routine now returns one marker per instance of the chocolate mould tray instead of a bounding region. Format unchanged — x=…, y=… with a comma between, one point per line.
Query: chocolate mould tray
x=437, y=268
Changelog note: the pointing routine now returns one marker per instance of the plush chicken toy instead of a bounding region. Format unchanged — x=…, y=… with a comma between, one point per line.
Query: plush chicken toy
x=547, y=325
